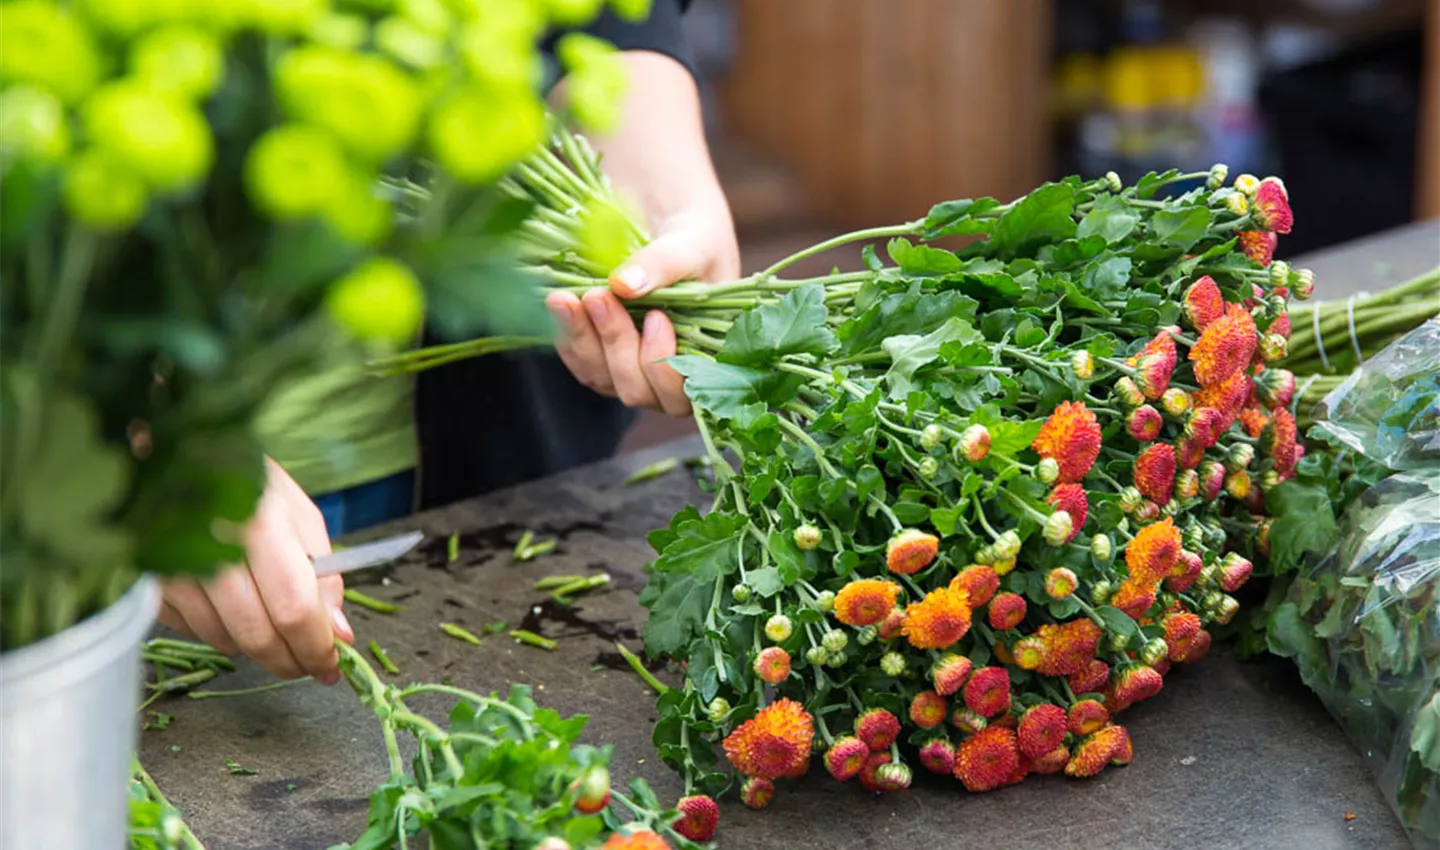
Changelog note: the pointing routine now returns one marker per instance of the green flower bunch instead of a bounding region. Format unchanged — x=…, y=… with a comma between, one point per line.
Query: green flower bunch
x=195, y=194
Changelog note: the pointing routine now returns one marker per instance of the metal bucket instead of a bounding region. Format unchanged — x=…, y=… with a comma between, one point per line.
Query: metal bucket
x=68, y=730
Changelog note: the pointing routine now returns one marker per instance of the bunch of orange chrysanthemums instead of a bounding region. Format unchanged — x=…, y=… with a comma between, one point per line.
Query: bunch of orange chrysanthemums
x=982, y=507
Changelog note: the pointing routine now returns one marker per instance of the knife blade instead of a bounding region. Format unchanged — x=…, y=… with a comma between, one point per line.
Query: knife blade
x=367, y=554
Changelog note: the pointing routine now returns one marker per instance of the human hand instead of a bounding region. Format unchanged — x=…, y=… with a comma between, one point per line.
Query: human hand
x=657, y=159
x=601, y=345
x=273, y=609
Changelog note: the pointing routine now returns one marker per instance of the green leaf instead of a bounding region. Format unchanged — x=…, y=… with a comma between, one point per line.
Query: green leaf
x=911, y=312
x=757, y=428
x=953, y=218
x=765, y=581
x=1110, y=218
x=723, y=388
x=911, y=513
x=967, y=354
x=1425, y=734
x=1181, y=228
x=1303, y=523
x=683, y=577
x=944, y=519
x=788, y=557
x=909, y=353
x=1042, y=216
x=922, y=260
x=868, y=482
x=796, y=324
x=1117, y=621
x=1007, y=437
x=1289, y=636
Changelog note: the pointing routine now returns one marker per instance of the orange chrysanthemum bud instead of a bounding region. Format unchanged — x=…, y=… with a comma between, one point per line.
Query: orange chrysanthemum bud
x=1041, y=730
x=1204, y=426
x=1187, y=484
x=892, y=777
x=1155, y=472
x=1212, y=480
x=1071, y=499
x=988, y=691
x=1052, y=762
x=1091, y=679
x=1272, y=206
x=1071, y=436
x=1007, y=610
x=1186, y=570
x=1144, y=423
x=1225, y=347
x=1203, y=303
x=1259, y=246
x=975, y=443
x=878, y=728
x=1199, y=646
x=987, y=759
x=642, y=840
x=1274, y=388
x=1128, y=392
x=1189, y=452
x=1279, y=439
x=1124, y=750
x=699, y=816
x=1154, y=365
x=846, y=757
x=1237, y=484
x=1133, y=685
x=1180, y=632
x=865, y=602
x=911, y=551
x=893, y=625
x=869, y=774
x=1094, y=753
x=968, y=721
x=773, y=742
x=939, y=620
x=757, y=793
x=978, y=582
x=773, y=665
x=1254, y=419
x=938, y=756
x=1087, y=717
x=949, y=673
x=1235, y=570
x=1060, y=582
x=1029, y=653
x=928, y=710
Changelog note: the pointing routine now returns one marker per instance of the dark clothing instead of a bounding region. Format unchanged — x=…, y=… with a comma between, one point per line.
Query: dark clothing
x=494, y=421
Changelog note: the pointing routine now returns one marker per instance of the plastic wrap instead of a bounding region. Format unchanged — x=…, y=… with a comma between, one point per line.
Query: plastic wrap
x=1363, y=623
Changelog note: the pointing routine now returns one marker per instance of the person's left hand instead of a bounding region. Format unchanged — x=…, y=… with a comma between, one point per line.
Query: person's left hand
x=601, y=345
x=657, y=158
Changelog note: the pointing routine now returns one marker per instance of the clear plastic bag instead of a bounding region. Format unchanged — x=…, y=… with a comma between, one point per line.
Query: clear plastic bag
x=1363, y=623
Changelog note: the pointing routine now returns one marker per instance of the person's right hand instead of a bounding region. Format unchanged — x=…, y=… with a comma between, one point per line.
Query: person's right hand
x=273, y=609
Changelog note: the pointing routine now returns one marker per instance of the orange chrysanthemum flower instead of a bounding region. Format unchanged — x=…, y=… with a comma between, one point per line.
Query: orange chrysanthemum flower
x=1274, y=388
x=699, y=816
x=1095, y=752
x=1188, y=453
x=1155, y=472
x=949, y=673
x=1185, y=572
x=988, y=691
x=1070, y=437
x=1199, y=645
x=1041, y=730
x=1135, y=597
x=846, y=757
x=772, y=665
x=1259, y=245
x=878, y=728
x=1254, y=420
x=910, y=551
x=1203, y=303
x=1229, y=397
x=1091, y=679
x=1124, y=749
x=893, y=624
x=1069, y=647
x=642, y=840
x=865, y=602
x=773, y=742
x=938, y=620
x=1152, y=553
x=987, y=759
x=979, y=582
x=1071, y=499
x=1007, y=610
x=1225, y=347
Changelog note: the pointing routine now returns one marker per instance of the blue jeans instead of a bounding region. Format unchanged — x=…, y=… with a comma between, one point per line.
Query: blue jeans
x=369, y=504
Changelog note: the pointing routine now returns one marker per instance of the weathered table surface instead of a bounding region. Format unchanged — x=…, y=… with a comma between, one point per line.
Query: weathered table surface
x=1230, y=755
